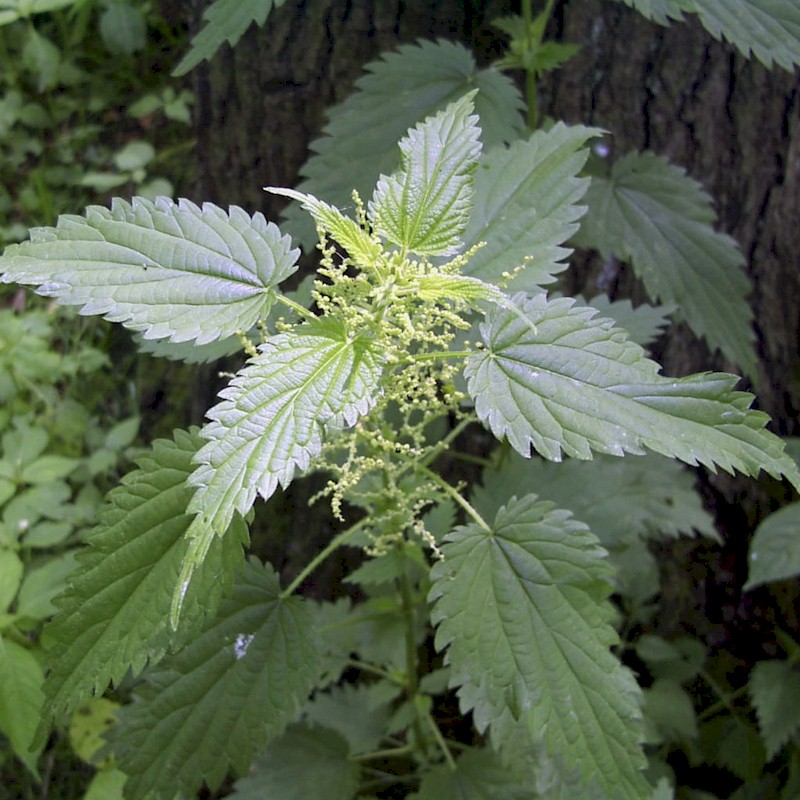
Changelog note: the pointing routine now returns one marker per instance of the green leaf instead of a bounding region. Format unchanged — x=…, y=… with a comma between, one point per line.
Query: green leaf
x=360, y=714
x=775, y=688
x=579, y=385
x=11, y=569
x=20, y=699
x=168, y=270
x=479, y=775
x=115, y=613
x=231, y=690
x=303, y=763
x=42, y=58
x=620, y=499
x=775, y=548
x=226, y=21
x=669, y=709
x=526, y=207
x=274, y=413
x=644, y=324
x=400, y=89
x=424, y=208
x=123, y=28
x=769, y=29
x=12, y=10
x=41, y=584
x=360, y=246
x=522, y=609
x=650, y=213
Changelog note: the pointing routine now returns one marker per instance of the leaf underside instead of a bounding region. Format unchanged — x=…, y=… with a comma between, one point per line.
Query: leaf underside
x=767, y=29
x=650, y=213
x=231, y=690
x=578, y=385
x=167, y=270
x=522, y=611
x=226, y=21
x=400, y=89
x=272, y=418
x=114, y=615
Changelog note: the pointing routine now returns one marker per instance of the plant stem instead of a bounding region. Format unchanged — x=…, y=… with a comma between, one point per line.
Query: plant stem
x=530, y=73
x=333, y=545
x=455, y=494
x=389, y=752
x=301, y=310
x=440, y=740
x=412, y=683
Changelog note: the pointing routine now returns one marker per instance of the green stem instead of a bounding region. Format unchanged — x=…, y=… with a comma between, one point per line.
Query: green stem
x=440, y=740
x=301, y=310
x=363, y=666
x=454, y=493
x=530, y=74
x=412, y=682
x=389, y=752
x=333, y=545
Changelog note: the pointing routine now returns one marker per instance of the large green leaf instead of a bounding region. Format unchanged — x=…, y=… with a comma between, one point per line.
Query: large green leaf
x=303, y=763
x=479, y=775
x=650, y=213
x=577, y=384
x=526, y=206
x=775, y=688
x=425, y=206
x=115, y=612
x=521, y=607
x=620, y=499
x=230, y=691
x=769, y=29
x=272, y=419
x=168, y=270
x=775, y=548
x=226, y=21
x=400, y=89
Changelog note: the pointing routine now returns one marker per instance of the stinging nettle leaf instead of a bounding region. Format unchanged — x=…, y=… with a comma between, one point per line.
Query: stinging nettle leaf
x=526, y=207
x=650, y=213
x=114, y=614
x=272, y=418
x=298, y=764
x=230, y=691
x=226, y=21
x=522, y=610
x=775, y=689
x=775, y=548
x=348, y=233
x=578, y=385
x=425, y=207
x=400, y=89
x=169, y=270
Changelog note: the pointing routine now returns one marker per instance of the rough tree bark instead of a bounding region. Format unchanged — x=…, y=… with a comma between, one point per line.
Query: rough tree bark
x=732, y=124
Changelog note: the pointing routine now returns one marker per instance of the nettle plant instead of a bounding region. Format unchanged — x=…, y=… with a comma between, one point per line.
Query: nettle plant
x=428, y=315
x=402, y=348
